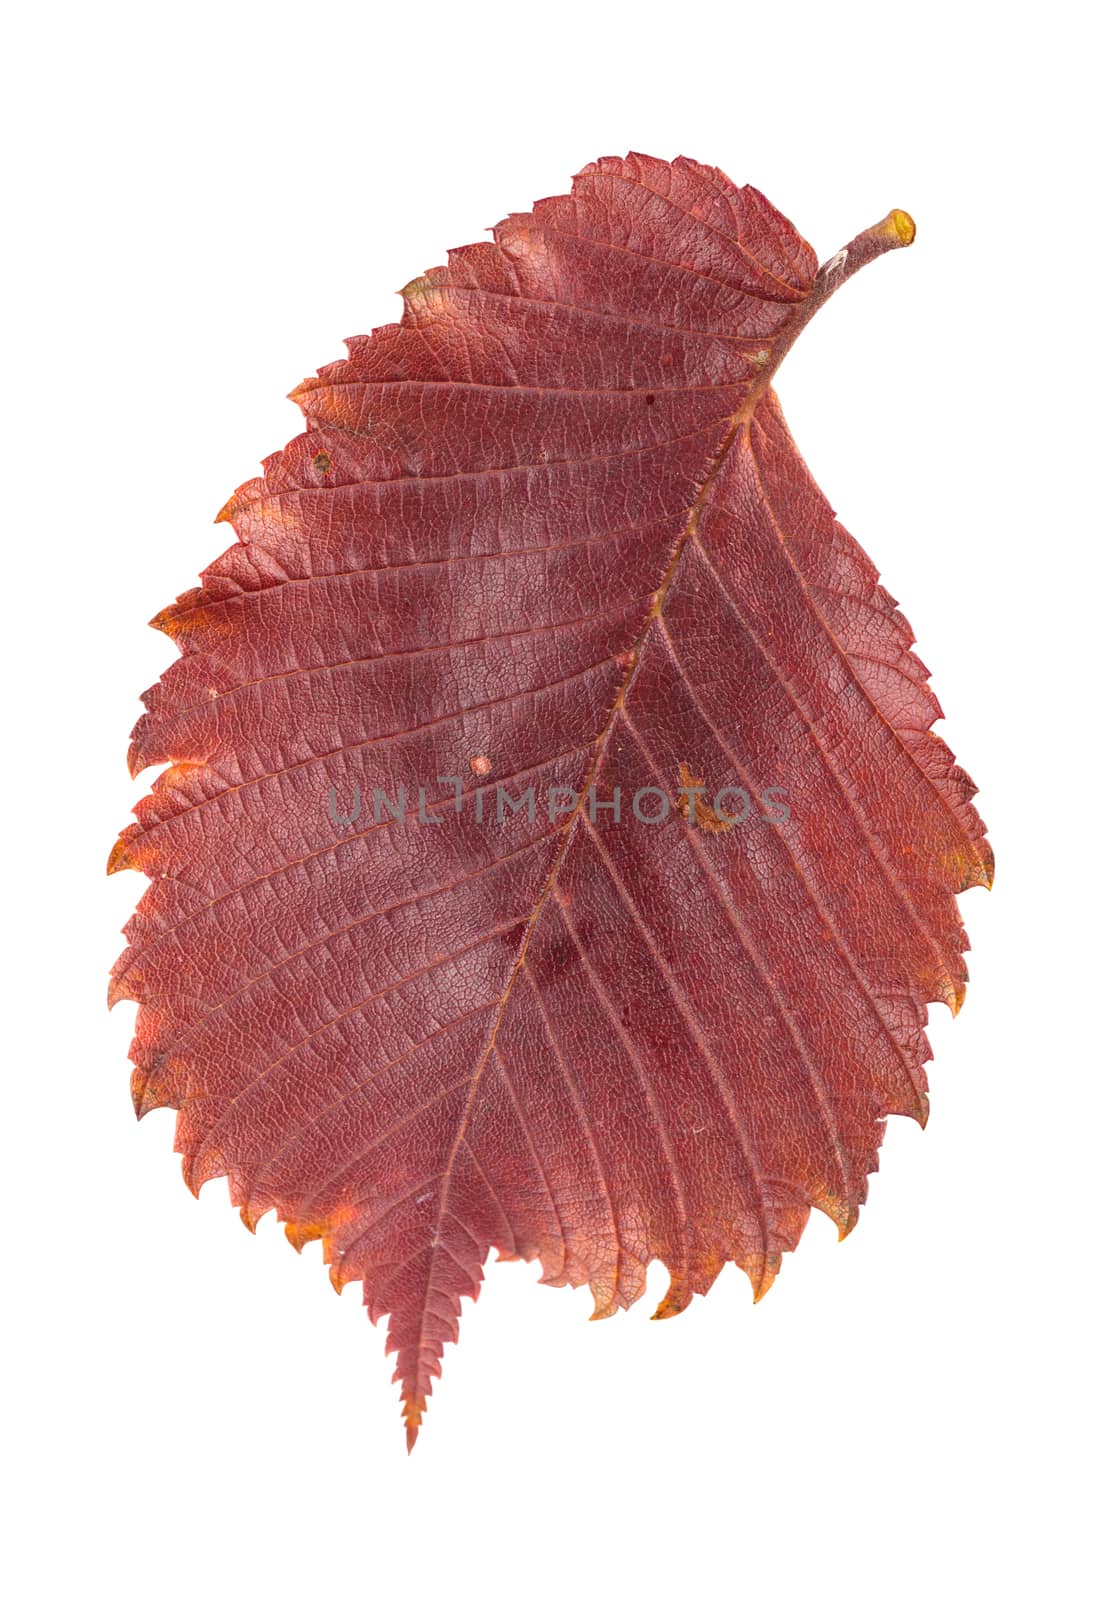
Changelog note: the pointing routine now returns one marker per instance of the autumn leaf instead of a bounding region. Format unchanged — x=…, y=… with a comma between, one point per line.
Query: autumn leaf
x=555, y=856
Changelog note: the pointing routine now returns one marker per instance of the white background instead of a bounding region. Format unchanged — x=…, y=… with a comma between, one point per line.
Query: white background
x=202, y=200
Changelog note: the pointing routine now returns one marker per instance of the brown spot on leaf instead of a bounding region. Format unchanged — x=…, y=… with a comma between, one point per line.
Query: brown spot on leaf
x=704, y=815
x=322, y=462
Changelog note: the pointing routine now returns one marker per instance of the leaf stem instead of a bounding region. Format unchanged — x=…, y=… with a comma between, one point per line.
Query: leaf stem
x=895, y=232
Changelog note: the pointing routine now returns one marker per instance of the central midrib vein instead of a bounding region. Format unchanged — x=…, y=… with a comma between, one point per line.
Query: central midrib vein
x=694, y=516
x=895, y=230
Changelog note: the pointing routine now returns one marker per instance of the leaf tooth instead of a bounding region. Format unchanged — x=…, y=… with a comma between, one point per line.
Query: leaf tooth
x=678, y=1297
x=119, y=857
x=301, y=1233
x=133, y=851
x=761, y=1272
x=124, y=983
x=845, y=1213
x=139, y=1079
x=605, y=1302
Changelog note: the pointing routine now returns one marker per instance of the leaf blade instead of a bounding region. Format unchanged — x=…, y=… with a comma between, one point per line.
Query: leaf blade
x=501, y=549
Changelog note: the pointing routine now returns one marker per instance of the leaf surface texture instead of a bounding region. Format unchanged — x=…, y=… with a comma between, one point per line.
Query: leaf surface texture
x=549, y=532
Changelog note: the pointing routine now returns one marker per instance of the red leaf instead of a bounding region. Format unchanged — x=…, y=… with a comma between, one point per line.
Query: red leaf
x=550, y=532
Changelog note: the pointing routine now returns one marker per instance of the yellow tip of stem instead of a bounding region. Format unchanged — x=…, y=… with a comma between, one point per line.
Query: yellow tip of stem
x=899, y=225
